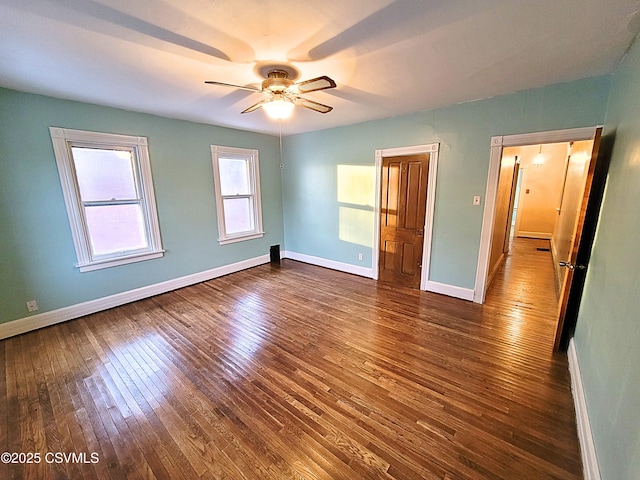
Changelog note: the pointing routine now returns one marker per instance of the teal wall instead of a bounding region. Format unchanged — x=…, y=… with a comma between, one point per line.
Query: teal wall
x=607, y=336
x=37, y=258
x=317, y=222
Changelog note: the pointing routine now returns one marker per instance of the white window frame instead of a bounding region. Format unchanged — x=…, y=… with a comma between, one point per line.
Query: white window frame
x=253, y=167
x=63, y=140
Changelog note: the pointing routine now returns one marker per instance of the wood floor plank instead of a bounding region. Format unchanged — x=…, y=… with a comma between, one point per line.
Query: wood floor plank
x=295, y=371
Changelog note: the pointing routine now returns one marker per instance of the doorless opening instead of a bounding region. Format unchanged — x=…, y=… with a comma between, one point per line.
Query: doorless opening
x=570, y=216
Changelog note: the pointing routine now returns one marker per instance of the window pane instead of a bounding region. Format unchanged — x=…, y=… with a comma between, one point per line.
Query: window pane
x=115, y=228
x=104, y=174
x=238, y=215
x=234, y=176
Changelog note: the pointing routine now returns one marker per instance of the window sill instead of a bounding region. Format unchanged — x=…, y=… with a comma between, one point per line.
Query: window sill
x=251, y=236
x=114, y=262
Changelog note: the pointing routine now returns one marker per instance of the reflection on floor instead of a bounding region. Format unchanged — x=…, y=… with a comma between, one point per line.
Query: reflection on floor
x=525, y=280
x=298, y=371
x=524, y=289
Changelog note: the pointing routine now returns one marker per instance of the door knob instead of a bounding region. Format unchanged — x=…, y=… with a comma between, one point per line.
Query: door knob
x=571, y=266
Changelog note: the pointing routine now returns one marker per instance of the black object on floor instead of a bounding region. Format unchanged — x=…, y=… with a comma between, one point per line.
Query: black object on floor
x=274, y=253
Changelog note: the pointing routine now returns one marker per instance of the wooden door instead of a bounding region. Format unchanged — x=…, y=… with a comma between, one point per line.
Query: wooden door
x=403, y=210
x=512, y=204
x=571, y=293
x=505, y=196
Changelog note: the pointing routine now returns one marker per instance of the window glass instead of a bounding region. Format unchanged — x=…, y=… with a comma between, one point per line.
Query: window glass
x=234, y=176
x=238, y=216
x=115, y=228
x=104, y=174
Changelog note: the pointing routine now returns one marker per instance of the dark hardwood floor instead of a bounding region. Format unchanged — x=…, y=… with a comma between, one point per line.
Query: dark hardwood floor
x=298, y=372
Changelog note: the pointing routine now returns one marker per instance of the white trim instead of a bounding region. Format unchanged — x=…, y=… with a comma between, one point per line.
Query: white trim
x=63, y=139
x=241, y=238
x=251, y=157
x=139, y=257
x=410, y=150
x=553, y=136
x=23, y=325
x=375, y=250
x=332, y=264
x=487, y=220
x=587, y=446
x=433, y=150
x=450, y=290
x=435, y=287
x=497, y=144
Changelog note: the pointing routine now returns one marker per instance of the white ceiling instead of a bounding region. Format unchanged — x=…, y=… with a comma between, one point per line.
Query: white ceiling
x=388, y=57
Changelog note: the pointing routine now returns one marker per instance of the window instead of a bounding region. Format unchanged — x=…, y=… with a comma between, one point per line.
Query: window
x=237, y=184
x=108, y=191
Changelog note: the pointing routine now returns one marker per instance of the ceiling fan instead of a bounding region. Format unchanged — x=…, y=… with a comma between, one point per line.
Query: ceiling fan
x=282, y=94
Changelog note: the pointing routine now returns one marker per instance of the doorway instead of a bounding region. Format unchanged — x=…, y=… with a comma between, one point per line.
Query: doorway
x=539, y=192
x=402, y=217
x=419, y=257
x=557, y=215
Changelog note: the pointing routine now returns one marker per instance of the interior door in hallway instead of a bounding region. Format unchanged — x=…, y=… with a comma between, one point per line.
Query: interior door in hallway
x=403, y=208
x=578, y=261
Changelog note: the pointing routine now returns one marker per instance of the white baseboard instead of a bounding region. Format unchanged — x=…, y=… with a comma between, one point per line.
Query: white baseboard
x=436, y=287
x=27, y=324
x=587, y=447
x=450, y=290
x=538, y=235
x=323, y=262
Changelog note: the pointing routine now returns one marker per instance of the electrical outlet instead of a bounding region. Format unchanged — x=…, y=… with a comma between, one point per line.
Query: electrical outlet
x=360, y=256
x=32, y=306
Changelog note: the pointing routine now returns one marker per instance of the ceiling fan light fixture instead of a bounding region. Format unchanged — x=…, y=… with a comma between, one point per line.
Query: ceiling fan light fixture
x=281, y=94
x=279, y=108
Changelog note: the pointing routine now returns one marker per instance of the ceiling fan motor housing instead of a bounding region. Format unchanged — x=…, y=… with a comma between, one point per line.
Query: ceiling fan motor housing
x=277, y=81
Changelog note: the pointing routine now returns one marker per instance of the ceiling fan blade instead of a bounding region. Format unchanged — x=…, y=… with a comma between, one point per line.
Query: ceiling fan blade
x=254, y=107
x=315, y=84
x=311, y=105
x=251, y=89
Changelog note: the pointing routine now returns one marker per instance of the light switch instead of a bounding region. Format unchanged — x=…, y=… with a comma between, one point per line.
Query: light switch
x=476, y=200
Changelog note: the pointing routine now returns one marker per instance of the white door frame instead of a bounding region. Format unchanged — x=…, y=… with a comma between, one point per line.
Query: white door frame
x=497, y=144
x=432, y=149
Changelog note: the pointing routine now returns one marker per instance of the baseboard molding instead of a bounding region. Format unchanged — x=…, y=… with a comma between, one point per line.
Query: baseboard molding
x=333, y=265
x=436, y=287
x=587, y=447
x=45, y=319
x=450, y=290
x=538, y=235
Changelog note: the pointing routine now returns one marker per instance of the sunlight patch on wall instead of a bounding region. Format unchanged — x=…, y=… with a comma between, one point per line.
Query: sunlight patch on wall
x=356, y=226
x=356, y=199
x=356, y=184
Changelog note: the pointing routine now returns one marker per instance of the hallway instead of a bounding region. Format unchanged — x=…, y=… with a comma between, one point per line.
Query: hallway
x=524, y=289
